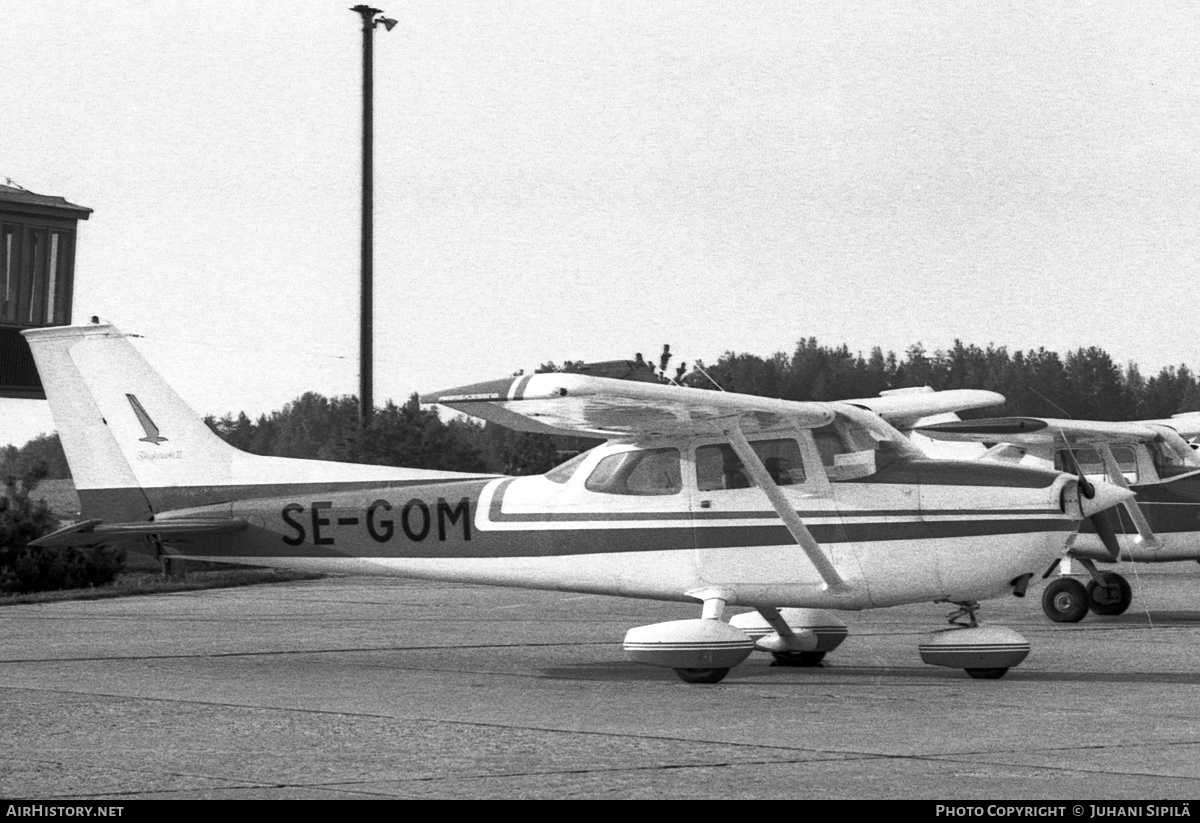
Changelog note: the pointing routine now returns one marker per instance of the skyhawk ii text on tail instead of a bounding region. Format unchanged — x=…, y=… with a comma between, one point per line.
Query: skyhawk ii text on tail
x=792, y=509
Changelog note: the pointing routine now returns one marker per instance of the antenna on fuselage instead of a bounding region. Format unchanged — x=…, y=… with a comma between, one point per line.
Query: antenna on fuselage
x=709, y=376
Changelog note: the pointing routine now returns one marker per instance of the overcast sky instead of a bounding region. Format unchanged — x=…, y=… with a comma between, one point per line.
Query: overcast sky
x=586, y=180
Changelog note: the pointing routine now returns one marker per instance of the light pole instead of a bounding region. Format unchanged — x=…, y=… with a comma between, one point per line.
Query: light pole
x=366, y=389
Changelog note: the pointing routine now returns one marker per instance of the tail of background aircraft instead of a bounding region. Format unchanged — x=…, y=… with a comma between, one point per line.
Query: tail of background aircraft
x=135, y=448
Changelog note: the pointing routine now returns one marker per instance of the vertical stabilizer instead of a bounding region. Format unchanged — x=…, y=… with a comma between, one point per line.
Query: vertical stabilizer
x=104, y=478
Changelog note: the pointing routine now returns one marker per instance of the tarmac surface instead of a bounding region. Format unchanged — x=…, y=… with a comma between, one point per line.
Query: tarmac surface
x=380, y=688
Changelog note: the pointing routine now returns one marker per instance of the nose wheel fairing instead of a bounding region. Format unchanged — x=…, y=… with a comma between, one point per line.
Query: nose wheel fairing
x=984, y=652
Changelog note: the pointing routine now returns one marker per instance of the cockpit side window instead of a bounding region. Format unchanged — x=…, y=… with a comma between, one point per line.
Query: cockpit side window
x=849, y=451
x=718, y=466
x=638, y=472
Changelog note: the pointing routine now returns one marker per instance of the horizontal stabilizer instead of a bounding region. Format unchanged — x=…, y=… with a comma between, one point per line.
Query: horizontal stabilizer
x=96, y=532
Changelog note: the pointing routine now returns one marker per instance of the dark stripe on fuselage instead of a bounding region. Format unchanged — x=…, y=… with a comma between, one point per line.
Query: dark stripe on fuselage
x=928, y=472
x=122, y=505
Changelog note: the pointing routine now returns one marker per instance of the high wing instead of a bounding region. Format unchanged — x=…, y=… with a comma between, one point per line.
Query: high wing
x=577, y=404
x=564, y=403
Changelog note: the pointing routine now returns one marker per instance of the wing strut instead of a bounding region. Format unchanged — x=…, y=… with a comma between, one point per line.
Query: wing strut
x=762, y=478
x=1145, y=533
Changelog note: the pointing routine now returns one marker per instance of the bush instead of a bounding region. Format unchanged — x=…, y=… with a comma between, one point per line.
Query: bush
x=23, y=569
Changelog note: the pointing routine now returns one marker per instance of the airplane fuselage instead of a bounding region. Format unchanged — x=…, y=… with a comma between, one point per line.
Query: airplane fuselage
x=916, y=530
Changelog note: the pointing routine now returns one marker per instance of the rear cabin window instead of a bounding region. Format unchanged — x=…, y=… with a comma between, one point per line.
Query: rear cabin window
x=639, y=472
x=718, y=466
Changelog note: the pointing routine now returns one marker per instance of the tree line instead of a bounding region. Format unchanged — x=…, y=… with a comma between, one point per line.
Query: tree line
x=1085, y=383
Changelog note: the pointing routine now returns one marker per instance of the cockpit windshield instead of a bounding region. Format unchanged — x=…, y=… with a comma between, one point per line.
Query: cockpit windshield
x=1168, y=462
x=858, y=444
x=565, y=471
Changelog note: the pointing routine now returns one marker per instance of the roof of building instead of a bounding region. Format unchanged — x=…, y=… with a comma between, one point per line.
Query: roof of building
x=23, y=197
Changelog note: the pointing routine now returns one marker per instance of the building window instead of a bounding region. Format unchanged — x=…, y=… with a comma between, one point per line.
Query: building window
x=35, y=275
x=9, y=276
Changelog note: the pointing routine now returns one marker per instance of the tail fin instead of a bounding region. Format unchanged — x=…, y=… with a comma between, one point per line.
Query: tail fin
x=88, y=372
x=135, y=448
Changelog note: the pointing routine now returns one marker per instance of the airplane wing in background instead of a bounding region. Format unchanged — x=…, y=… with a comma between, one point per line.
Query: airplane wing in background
x=1034, y=431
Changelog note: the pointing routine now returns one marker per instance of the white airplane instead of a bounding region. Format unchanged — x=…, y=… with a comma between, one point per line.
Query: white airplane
x=1149, y=457
x=791, y=509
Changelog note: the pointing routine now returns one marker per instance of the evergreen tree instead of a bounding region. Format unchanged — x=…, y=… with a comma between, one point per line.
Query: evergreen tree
x=24, y=519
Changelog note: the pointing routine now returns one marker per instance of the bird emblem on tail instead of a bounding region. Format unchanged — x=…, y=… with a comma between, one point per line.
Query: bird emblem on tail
x=152, y=435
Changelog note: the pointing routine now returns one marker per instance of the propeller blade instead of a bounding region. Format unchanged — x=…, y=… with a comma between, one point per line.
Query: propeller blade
x=1071, y=464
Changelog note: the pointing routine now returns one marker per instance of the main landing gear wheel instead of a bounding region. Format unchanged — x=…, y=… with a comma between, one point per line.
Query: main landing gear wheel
x=1113, y=597
x=702, y=675
x=1065, y=600
x=987, y=674
x=798, y=659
